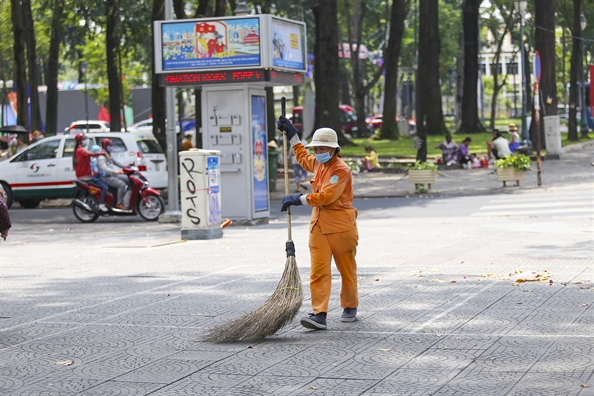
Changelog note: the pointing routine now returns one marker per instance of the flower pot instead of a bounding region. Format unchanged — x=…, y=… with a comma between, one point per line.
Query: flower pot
x=509, y=174
x=422, y=177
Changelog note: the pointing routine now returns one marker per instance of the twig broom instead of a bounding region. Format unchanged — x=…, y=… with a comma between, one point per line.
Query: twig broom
x=280, y=308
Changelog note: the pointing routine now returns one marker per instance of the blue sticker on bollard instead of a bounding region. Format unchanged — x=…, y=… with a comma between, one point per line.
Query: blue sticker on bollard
x=213, y=174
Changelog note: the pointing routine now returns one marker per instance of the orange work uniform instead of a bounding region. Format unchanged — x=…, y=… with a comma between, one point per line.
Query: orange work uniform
x=333, y=229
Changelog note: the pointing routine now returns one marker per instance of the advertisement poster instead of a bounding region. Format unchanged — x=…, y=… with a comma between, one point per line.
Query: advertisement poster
x=208, y=44
x=260, y=153
x=214, y=201
x=288, y=45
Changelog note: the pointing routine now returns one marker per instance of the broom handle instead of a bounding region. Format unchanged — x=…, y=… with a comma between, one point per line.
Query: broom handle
x=286, y=162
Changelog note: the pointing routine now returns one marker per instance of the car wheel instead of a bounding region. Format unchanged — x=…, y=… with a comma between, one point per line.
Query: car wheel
x=83, y=215
x=29, y=203
x=150, y=207
x=8, y=192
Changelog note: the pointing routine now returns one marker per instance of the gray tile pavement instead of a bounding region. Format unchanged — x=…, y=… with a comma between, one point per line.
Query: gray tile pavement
x=437, y=316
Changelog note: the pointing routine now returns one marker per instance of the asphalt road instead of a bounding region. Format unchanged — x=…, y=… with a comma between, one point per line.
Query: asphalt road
x=550, y=204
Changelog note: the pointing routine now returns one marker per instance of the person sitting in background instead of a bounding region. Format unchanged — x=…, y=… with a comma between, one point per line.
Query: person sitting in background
x=462, y=155
x=448, y=150
x=514, y=142
x=113, y=175
x=499, y=147
x=187, y=144
x=371, y=160
x=96, y=173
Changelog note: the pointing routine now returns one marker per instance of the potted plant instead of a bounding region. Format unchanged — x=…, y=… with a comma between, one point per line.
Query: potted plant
x=512, y=168
x=421, y=173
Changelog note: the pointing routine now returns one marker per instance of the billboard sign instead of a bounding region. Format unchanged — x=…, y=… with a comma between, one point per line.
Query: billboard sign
x=200, y=44
x=230, y=43
x=288, y=44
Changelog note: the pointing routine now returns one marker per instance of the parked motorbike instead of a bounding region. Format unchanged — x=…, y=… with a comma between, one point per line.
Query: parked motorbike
x=144, y=200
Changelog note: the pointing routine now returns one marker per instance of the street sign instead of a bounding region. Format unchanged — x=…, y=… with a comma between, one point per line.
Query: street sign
x=537, y=68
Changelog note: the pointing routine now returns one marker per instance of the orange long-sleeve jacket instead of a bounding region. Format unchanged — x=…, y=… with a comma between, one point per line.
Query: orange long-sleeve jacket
x=332, y=193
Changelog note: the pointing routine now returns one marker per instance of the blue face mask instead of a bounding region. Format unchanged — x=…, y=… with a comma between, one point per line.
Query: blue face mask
x=323, y=158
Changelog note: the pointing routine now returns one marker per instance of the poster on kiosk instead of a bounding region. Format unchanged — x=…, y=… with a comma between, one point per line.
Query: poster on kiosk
x=230, y=43
x=233, y=60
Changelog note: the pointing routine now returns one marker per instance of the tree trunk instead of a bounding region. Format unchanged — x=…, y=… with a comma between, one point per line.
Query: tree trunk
x=459, y=81
x=345, y=90
x=220, y=7
x=470, y=120
x=111, y=46
x=496, y=85
x=326, y=70
x=53, y=67
x=296, y=93
x=428, y=103
x=270, y=116
x=359, y=69
x=32, y=65
x=576, y=56
x=204, y=8
x=360, y=89
x=158, y=92
x=20, y=66
x=179, y=9
x=433, y=110
x=544, y=43
x=422, y=96
x=389, y=129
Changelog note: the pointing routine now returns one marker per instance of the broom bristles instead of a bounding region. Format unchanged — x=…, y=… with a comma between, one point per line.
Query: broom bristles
x=277, y=312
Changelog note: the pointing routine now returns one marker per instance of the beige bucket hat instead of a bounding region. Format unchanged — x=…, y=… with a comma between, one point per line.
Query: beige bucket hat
x=325, y=137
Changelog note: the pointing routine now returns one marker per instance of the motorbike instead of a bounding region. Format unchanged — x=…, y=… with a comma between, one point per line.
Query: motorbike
x=144, y=200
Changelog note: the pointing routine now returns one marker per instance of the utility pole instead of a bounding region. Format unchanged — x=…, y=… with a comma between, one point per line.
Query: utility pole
x=173, y=214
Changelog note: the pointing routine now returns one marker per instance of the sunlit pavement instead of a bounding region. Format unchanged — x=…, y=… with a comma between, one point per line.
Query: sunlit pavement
x=118, y=307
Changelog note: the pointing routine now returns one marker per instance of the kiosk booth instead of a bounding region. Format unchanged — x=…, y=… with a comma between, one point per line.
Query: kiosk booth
x=232, y=60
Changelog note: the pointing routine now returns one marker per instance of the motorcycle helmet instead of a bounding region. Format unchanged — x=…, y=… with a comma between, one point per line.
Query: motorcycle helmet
x=95, y=148
x=79, y=137
x=106, y=142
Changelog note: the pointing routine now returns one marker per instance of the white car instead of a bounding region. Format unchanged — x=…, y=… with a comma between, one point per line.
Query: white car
x=142, y=126
x=45, y=170
x=145, y=126
x=81, y=126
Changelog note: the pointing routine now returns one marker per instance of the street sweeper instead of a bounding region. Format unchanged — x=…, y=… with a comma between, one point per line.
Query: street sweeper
x=333, y=227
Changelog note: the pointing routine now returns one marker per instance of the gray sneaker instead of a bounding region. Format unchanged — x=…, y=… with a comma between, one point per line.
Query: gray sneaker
x=349, y=315
x=315, y=322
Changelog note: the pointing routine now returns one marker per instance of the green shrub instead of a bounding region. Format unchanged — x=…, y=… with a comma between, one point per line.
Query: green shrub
x=520, y=162
x=418, y=165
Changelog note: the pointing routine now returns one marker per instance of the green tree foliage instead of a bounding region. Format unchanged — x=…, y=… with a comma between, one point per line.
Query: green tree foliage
x=6, y=42
x=450, y=30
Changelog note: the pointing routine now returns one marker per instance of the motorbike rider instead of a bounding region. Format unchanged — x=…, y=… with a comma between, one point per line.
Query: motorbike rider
x=96, y=173
x=113, y=175
x=81, y=160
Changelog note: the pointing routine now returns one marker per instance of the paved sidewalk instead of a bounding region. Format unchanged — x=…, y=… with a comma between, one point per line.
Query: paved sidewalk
x=119, y=307
x=574, y=167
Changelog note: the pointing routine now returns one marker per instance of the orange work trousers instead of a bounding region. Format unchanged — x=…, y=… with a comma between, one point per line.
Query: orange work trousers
x=342, y=246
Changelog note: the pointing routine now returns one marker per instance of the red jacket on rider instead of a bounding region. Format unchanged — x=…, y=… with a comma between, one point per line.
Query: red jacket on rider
x=83, y=163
